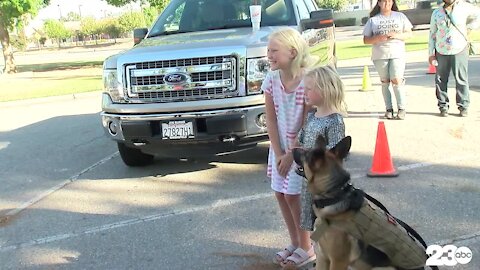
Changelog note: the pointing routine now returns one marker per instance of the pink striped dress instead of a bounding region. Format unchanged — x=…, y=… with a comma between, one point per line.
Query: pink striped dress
x=289, y=111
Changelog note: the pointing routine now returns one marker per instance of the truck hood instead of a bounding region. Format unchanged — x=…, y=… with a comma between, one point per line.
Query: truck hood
x=218, y=38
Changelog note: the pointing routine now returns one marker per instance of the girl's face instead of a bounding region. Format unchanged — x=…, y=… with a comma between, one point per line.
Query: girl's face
x=278, y=55
x=314, y=97
x=385, y=5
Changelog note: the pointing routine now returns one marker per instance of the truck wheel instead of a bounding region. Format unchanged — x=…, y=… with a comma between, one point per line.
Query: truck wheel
x=133, y=157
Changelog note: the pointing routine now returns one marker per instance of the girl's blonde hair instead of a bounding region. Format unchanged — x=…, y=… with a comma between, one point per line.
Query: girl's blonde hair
x=291, y=39
x=330, y=86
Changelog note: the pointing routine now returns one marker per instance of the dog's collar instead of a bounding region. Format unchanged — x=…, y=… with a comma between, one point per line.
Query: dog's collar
x=346, y=189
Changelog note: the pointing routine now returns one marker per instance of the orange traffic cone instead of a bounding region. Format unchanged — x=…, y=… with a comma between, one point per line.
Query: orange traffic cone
x=382, y=165
x=431, y=69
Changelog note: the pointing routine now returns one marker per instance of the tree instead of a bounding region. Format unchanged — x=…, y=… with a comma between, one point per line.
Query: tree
x=333, y=4
x=112, y=28
x=159, y=4
x=56, y=30
x=10, y=12
x=72, y=17
x=131, y=20
x=88, y=27
x=150, y=14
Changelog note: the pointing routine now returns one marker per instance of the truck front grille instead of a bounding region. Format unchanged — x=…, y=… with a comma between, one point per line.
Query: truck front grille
x=182, y=79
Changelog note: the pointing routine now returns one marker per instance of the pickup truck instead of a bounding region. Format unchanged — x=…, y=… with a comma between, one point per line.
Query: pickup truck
x=191, y=84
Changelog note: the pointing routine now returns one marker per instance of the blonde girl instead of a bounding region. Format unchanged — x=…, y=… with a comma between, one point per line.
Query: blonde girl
x=325, y=92
x=285, y=108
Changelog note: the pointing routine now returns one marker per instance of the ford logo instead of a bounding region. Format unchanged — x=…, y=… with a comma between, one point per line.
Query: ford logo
x=176, y=78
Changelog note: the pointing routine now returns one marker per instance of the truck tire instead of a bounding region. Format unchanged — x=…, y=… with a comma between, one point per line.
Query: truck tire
x=133, y=157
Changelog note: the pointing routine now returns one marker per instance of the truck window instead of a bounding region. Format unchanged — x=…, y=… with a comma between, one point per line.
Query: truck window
x=302, y=10
x=311, y=6
x=201, y=15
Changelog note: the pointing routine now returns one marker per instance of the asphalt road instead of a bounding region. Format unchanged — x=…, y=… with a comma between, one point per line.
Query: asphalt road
x=68, y=202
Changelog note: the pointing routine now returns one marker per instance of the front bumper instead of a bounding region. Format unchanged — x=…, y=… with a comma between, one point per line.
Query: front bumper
x=215, y=131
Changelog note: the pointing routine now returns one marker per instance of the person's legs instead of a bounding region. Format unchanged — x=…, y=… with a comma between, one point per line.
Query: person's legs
x=382, y=67
x=397, y=70
x=303, y=236
x=295, y=207
x=284, y=205
x=441, y=81
x=460, y=72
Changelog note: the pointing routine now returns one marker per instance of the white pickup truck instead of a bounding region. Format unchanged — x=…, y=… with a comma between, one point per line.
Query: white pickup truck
x=191, y=84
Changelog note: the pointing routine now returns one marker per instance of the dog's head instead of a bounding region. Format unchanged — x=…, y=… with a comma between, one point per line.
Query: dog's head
x=323, y=168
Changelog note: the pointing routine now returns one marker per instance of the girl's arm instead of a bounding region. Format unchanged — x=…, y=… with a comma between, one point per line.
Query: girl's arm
x=374, y=39
x=296, y=142
x=272, y=127
x=402, y=36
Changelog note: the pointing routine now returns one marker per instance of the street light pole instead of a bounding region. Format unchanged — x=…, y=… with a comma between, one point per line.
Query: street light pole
x=60, y=12
x=80, y=11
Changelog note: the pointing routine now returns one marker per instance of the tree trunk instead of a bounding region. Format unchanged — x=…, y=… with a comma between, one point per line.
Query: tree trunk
x=10, y=66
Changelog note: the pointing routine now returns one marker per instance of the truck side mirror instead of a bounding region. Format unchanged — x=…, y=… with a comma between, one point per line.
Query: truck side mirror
x=139, y=34
x=318, y=19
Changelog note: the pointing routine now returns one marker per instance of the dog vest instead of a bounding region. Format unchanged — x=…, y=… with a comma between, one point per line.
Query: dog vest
x=382, y=231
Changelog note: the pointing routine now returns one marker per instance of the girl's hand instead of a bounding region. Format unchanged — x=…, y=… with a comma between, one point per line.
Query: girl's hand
x=392, y=35
x=284, y=163
x=382, y=38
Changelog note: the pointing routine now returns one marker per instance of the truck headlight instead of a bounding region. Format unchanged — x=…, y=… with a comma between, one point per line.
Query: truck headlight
x=111, y=84
x=257, y=69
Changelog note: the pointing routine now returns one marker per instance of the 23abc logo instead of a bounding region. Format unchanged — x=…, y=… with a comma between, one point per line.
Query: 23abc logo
x=448, y=255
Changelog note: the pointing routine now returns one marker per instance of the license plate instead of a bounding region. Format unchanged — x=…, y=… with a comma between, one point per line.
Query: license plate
x=174, y=130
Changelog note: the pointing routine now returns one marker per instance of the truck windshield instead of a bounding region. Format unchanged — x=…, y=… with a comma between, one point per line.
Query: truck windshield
x=183, y=16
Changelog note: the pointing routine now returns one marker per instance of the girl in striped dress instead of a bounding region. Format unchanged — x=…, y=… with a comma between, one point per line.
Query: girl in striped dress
x=285, y=108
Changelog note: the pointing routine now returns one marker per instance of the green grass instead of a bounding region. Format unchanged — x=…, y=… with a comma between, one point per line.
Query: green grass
x=18, y=89
x=356, y=49
x=58, y=66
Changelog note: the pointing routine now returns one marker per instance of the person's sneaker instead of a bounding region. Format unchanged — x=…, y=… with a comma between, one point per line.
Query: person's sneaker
x=463, y=112
x=401, y=114
x=443, y=113
x=389, y=114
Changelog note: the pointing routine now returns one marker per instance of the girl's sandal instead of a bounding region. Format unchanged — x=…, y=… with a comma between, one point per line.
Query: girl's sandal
x=281, y=256
x=299, y=258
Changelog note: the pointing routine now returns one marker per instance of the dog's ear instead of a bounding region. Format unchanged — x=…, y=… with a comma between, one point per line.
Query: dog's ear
x=342, y=148
x=321, y=142
x=298, y=154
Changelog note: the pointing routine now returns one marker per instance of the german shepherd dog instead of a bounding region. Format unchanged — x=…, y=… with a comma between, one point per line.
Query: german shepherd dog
x=326, y=180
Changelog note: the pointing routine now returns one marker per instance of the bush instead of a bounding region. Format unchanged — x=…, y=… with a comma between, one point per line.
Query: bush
x=345, y=22
x=18, y=42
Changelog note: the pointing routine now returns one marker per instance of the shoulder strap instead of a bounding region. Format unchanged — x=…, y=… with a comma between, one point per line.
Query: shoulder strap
x=451, y=21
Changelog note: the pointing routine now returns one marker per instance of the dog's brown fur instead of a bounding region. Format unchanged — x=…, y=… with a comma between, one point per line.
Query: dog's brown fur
x=323, y=168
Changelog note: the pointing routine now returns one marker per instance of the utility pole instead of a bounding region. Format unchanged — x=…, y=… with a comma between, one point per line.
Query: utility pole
x=60, y=12
x=80, y=11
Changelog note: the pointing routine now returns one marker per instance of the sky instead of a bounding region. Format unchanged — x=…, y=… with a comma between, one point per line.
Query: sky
x=94, y=8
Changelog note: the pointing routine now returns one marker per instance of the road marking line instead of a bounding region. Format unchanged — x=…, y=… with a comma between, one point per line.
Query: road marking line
x=60, y=185
x=412, y=166
x=461, y=238
x=128, y=222
x=216, y=204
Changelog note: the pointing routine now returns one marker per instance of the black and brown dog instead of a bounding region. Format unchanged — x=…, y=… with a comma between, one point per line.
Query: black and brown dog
x=337, y=201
